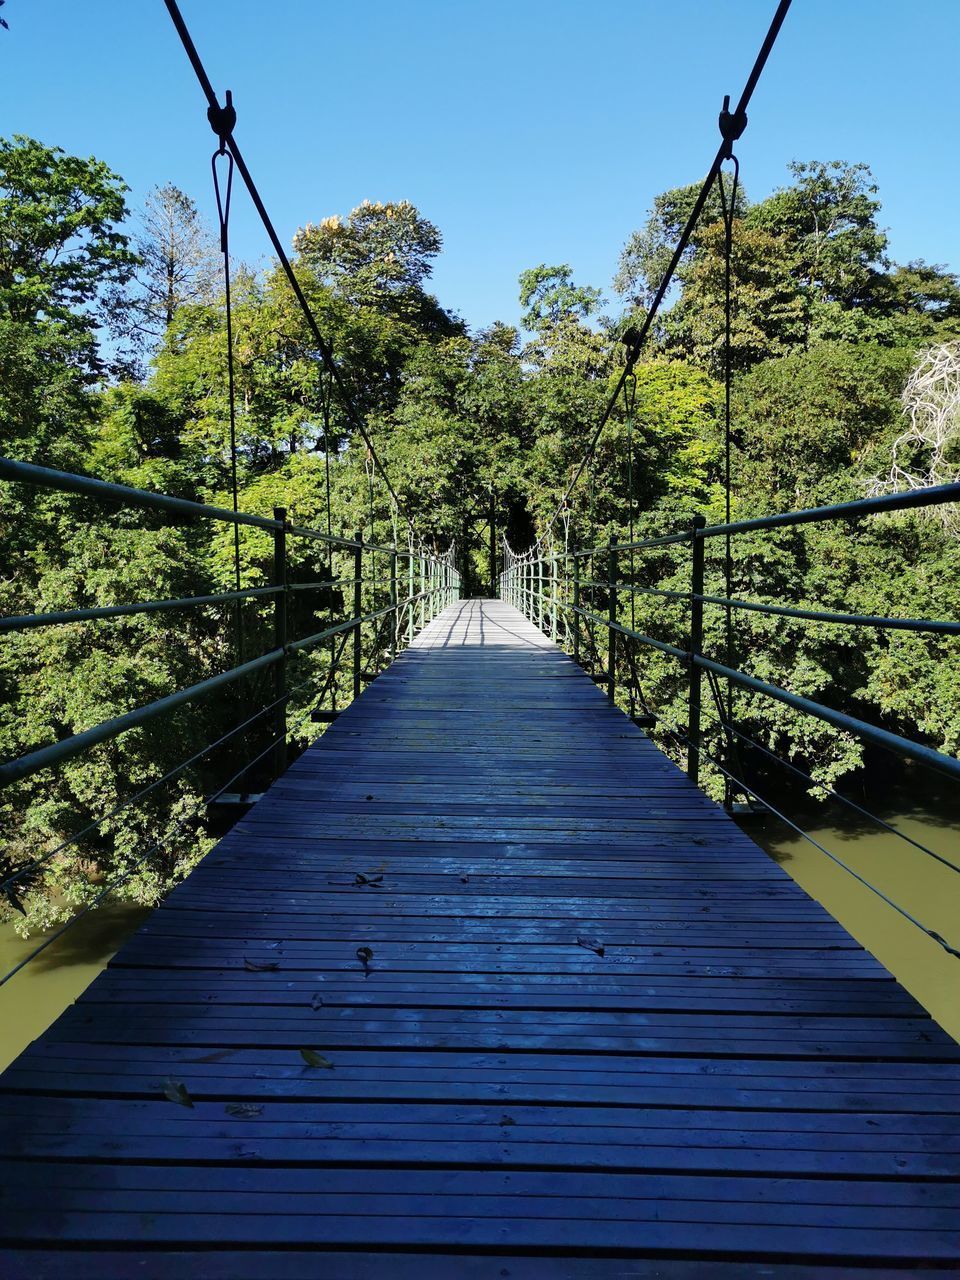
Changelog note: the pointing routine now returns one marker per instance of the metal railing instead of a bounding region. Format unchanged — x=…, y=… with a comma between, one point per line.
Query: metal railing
x=415, y=582
x=580, y=609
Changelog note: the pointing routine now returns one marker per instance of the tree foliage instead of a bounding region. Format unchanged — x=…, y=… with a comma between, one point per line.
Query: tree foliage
x=825, y=334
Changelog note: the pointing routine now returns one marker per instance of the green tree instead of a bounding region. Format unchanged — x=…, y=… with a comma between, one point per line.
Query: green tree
x=769, y=312
x=829, y=217
x=807, y=422
x=550, y=297
x=178, y=264
x=380, y=257
x=60, y=249
x=649, y=251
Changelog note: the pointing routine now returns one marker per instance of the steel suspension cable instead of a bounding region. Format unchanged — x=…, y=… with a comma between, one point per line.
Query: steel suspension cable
x=732, y=125
x=326, y=353
x=325, y=410
x=223, y=217
x=630, y=400
x=728, y=211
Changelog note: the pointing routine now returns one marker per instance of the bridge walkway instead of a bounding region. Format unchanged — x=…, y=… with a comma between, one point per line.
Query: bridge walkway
x=484, y=987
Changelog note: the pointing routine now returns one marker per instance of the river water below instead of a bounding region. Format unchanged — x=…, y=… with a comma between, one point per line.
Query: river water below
x=924, y=887
x=50, y=983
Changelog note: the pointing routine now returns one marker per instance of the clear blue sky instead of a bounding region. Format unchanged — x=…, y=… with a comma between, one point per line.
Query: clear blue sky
x=528, y=130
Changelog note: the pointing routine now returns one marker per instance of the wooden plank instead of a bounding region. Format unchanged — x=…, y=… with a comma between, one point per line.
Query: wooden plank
x=292, y=1264
x=599, y=1034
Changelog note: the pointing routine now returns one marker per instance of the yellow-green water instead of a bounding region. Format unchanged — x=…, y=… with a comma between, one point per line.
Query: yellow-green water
x=925, y=888
x=51, y=982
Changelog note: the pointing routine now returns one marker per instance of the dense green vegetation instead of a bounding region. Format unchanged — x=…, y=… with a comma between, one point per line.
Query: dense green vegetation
x=112, y=362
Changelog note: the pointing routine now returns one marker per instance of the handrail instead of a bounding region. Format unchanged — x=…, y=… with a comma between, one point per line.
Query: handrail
x=536, y=583
x=541, y=581
x=47, y=478
x=61, y=617
x=26, y=868
x=442, y=576
x=849, y=619
x=634, y=587
x=308, y=641
x=949, y=765
x=106, y=490
x=26, y=765
x=905, y=499
x=44, y=757
x=895, y=742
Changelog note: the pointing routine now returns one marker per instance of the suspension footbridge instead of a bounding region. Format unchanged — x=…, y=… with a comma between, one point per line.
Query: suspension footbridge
x=484, y=976
x=480, y=983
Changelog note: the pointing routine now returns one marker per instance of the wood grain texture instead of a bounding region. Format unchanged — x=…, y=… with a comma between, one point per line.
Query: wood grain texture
x=598, y=1032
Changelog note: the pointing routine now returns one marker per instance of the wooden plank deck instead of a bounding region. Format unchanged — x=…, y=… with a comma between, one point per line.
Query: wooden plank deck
x=599, y=1032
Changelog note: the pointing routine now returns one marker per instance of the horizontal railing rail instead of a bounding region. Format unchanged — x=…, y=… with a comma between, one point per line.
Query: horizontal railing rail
x=126, y=495
x=546, y=585
x=417, y=583
x=63, y=617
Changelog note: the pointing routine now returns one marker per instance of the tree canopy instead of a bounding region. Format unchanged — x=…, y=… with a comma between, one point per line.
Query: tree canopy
x=829, y=336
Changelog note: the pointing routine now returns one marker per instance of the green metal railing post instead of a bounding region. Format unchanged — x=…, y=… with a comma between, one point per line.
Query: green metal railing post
x=576, y=605
x=493, y=547
x=411, y=628
x=554, y=588
x=357, y=611
x=696, y=647
x=280, y=639
x=612, y=618
x=393, y=605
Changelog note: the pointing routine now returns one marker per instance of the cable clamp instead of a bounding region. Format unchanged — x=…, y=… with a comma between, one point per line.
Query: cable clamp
x=732, y=125
x=223, y=120
x=631, y=340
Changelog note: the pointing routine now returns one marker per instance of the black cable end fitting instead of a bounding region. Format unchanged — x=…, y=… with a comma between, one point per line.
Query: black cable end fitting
x=631, y=340
x=223, y=120
x=732, y=125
